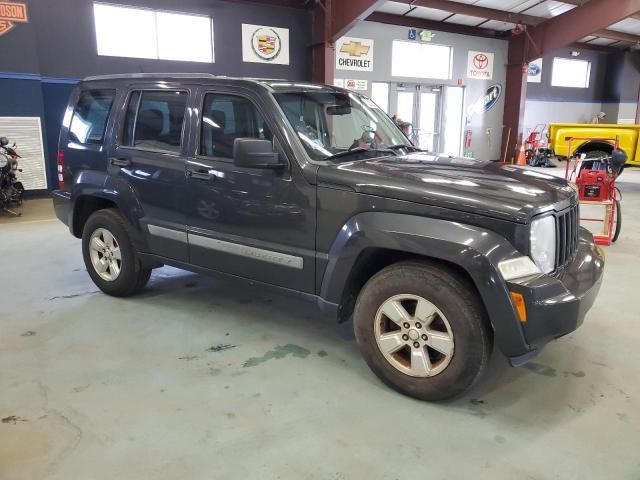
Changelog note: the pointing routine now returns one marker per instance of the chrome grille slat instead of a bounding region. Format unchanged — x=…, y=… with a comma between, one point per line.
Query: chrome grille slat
x=567, y=224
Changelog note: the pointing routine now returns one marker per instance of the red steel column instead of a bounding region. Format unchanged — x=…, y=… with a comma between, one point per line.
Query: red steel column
x=515, y=97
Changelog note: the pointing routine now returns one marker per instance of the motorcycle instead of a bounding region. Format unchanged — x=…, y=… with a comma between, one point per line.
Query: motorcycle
x=11, y=190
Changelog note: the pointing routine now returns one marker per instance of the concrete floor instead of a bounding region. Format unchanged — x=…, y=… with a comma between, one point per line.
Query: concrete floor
x=201, y=379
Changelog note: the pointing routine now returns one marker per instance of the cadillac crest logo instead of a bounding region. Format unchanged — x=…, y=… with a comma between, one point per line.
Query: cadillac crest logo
x=10, y=14
x=266, y=43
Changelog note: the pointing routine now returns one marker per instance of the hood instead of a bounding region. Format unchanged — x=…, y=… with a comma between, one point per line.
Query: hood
x=476, y=186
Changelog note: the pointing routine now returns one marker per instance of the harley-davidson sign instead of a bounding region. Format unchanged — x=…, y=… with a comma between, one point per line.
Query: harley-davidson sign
x=10, y=14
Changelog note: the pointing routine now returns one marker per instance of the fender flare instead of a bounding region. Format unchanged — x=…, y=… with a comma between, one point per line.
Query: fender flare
x=92, y=183
x=473, y=249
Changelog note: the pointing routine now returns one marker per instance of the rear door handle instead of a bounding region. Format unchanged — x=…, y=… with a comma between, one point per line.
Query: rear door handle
x=120, y=162
x=201, y=175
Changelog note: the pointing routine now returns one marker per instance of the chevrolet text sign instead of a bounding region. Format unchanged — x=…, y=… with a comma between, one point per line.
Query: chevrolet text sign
x=354, y=54
x=11, y=13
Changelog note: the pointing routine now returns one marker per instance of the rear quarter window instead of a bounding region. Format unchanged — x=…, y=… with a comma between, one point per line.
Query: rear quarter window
x=90, y=117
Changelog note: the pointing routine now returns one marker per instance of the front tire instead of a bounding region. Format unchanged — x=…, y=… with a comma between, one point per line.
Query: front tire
x=423, y=330
x=110, y=256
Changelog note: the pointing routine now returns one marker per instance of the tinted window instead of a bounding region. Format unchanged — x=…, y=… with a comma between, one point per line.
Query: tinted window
x=89, y=120
x=225, y=118
x=159, y=117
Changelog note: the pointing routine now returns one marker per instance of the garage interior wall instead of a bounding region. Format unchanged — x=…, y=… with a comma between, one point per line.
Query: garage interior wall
x=43, y=59
x=486, y=127
x=613, y=89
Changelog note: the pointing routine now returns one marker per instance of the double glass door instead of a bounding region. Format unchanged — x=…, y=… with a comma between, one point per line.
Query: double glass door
x=420, y=105
x=435, y=113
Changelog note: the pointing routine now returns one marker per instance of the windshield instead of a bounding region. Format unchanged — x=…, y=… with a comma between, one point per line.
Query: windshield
x=329, y=123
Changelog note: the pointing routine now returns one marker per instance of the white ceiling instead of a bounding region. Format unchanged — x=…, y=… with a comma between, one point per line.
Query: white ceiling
x=536, y=8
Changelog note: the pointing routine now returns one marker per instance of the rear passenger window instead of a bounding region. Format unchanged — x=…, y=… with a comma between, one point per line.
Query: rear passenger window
x=89, y=120
x=225, y=118
x=154, y=120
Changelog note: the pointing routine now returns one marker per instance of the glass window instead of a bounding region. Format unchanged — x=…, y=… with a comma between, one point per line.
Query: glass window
x=380, y=94
x=159, y=117
x=420, y=60
x=89, y=120
x=123, y=31
x=568, y=72
x=337, y=123
x=184, y=37
x=225, y=118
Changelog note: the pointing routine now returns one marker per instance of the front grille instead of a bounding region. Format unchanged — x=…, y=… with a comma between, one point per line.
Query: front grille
x=567, y=224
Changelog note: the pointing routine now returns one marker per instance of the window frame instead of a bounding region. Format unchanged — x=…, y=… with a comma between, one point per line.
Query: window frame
x=125, y=107
x=103, y=136
x=199, y=123
x=587, y=77
x=156, y=36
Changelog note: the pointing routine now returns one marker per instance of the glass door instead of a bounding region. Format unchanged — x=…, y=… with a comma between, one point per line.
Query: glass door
x=420, y=105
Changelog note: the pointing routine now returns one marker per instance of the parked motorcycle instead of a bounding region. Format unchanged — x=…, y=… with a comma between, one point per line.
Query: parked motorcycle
x=11, y=190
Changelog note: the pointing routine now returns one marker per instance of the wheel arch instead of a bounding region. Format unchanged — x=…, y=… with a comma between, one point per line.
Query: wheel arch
x=594, y=145
x=371, y=241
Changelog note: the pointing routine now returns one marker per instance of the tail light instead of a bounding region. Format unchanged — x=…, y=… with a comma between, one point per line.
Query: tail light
x=60, y=169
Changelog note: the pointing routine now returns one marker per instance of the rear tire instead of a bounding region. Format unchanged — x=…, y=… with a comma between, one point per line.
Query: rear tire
x=110, y=256
x=454, y=336
x=618, y=223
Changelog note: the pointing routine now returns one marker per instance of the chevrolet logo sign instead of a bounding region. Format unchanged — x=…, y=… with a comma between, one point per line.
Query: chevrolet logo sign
x=354, y=49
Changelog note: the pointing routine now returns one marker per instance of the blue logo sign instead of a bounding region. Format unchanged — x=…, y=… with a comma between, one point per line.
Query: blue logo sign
x=413, y=34
x=487, y=101
x=534, y=70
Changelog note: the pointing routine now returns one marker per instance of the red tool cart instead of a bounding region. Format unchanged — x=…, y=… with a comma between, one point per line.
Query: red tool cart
x=595, y=180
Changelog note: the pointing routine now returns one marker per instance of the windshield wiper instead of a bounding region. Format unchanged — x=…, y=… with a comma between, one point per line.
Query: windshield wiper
x=398, y=146
x=359, y=150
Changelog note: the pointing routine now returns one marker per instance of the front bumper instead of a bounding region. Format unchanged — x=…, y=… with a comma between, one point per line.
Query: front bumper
x=557, y=304
x=62, y=205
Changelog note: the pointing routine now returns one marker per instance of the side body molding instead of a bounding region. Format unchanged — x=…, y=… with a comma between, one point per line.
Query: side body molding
x=475, y=250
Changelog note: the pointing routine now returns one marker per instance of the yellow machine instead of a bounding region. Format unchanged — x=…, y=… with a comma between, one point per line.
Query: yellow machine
x=627, y=135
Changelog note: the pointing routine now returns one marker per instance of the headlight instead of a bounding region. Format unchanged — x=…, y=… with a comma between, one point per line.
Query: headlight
x=542, y=243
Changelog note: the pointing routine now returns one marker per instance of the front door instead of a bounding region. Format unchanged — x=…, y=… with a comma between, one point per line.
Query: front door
x=253, y=223
x=150, y=158
x=419, y=105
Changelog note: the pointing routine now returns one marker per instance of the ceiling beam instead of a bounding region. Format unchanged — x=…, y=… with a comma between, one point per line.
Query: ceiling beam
x=579, y=3
x=474, y=11
x=426, y=24
x=571, y=26
x=512, y=17
x=346, y=13
x=619, y=36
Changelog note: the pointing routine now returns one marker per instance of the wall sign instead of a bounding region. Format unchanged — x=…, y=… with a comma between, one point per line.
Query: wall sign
x=534, y=72
x=353, y=84
x=412, y=34
x=426, y=35
x=354, y=54
x=480, y=65
x=485, y=102
x=262, y=44
x=10, y=14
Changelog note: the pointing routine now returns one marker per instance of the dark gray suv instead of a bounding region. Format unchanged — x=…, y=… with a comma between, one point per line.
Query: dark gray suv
x=315, y=190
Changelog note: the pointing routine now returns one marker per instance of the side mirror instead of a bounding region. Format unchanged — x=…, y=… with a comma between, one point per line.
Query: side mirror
x=255, y=153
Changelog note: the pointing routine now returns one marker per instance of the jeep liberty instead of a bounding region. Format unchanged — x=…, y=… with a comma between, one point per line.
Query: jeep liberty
x=314, y=189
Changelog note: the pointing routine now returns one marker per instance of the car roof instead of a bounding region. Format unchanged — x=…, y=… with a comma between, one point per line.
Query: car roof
x=274, y=85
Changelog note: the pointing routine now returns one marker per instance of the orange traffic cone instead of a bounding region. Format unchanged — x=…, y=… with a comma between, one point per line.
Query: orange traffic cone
x=522, y=158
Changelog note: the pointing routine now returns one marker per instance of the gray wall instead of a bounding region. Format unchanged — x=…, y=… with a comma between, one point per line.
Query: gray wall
x=485, y=146
x=42, y=59
x=611, y=74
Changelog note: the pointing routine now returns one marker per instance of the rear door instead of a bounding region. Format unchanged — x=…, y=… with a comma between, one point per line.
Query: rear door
x=150, y=157
x=254, y=223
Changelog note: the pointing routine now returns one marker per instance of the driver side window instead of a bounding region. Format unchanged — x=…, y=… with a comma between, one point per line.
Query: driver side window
x=225, y=118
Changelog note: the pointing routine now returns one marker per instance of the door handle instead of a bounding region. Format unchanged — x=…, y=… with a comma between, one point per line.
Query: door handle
x=201, y=175
x=120, y=162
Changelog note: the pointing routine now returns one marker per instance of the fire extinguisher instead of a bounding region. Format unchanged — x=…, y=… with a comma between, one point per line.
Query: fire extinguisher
x=467, y=139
